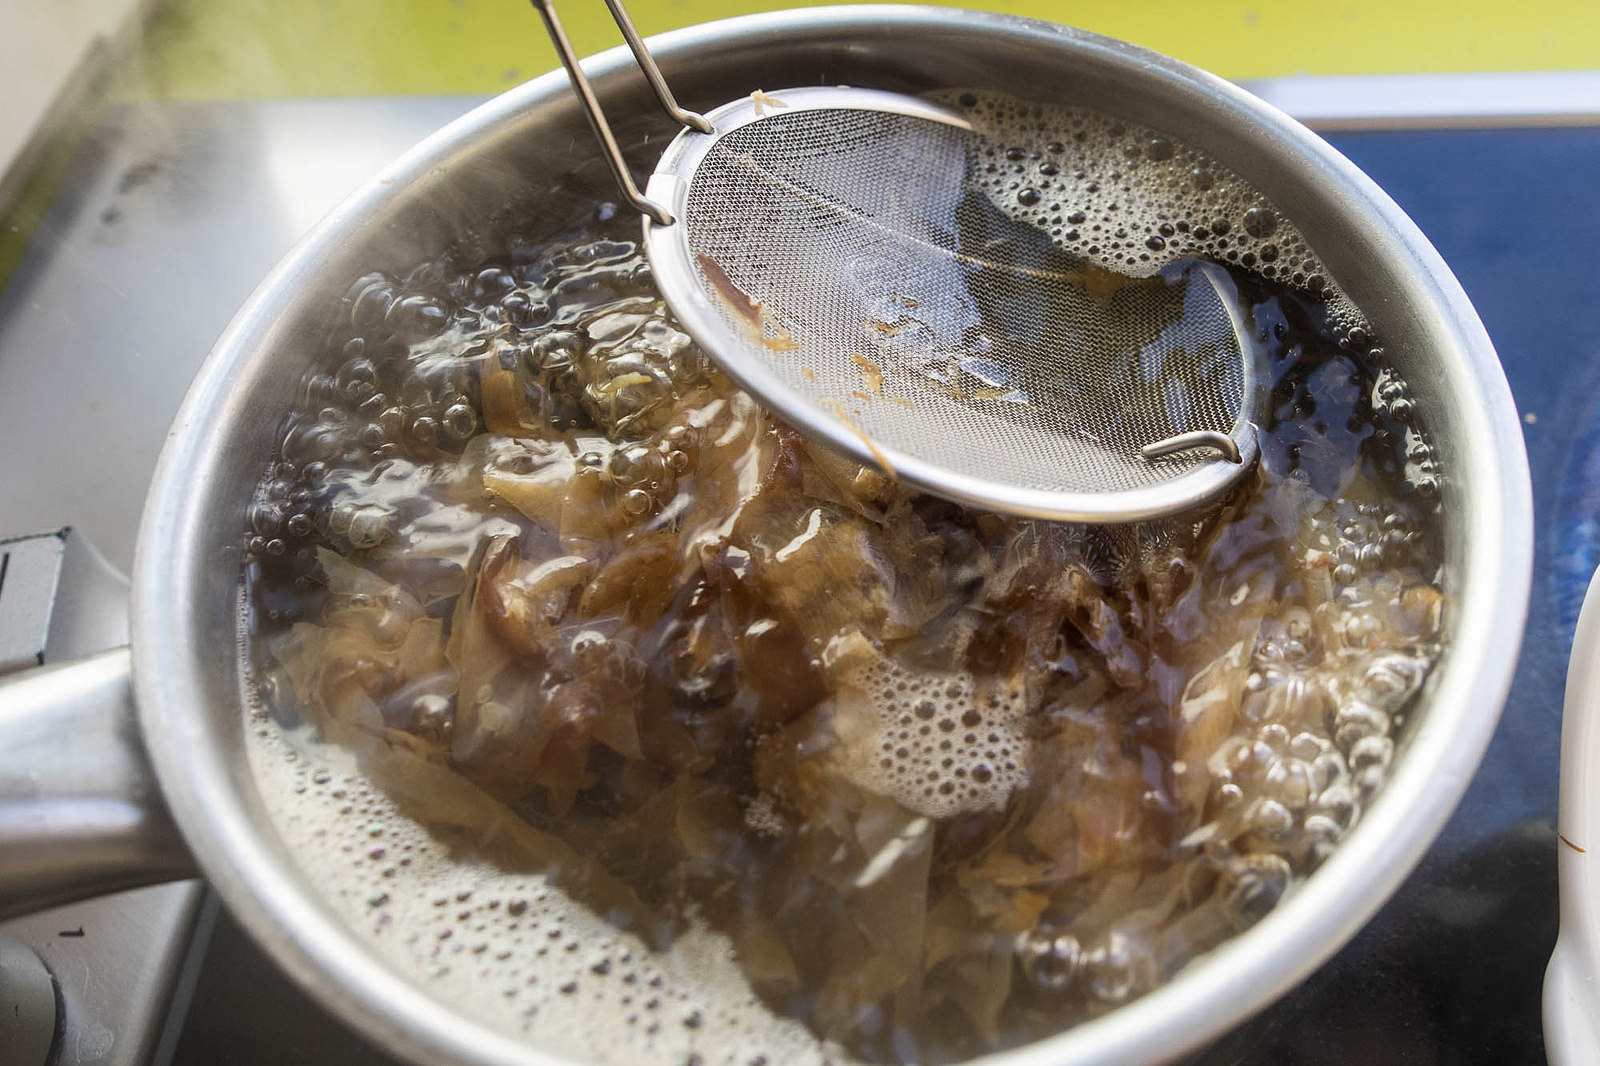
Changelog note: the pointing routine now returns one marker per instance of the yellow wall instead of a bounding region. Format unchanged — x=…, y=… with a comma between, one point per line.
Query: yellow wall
x=227, y=49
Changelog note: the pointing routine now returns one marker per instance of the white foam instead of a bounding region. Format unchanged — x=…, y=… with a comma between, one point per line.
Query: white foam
x=1145, y=197
x=937, y=744
x=510, y=950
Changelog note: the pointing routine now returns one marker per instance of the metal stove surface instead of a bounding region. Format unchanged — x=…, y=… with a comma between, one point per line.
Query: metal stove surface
x=169, y=218
x=172, y=214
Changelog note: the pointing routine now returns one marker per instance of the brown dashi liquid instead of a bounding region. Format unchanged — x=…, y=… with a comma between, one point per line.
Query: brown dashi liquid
x=633, y=723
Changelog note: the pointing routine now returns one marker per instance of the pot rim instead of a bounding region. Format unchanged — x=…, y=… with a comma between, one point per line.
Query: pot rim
x=341, y=970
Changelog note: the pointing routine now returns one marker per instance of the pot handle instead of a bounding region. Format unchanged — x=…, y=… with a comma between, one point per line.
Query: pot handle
x=80, y=811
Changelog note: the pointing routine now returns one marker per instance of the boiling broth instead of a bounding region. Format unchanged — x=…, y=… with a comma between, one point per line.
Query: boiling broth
x=625, y=718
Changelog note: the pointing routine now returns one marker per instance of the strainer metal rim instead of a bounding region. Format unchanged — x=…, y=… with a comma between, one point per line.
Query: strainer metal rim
x=675, y=274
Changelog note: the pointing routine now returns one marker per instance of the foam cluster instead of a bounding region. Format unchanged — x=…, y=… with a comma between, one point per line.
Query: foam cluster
x=1126, y=196
x=938, y=744
x=511, y=950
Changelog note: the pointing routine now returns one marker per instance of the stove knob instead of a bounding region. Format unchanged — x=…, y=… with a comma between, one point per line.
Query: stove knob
x=27, y=1005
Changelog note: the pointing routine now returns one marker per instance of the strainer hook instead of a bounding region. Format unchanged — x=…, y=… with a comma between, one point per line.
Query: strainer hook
x=1220, y=443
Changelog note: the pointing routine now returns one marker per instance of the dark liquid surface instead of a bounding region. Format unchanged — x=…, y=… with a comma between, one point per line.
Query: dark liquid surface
x=948, y=781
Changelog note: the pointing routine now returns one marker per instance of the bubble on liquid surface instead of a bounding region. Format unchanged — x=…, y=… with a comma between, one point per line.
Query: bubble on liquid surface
x=938, y=744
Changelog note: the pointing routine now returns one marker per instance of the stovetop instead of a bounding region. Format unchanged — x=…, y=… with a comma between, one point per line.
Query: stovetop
x=169, y=219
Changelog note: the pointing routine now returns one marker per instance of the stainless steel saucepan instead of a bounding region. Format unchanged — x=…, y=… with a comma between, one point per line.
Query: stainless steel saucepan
x=82, y=745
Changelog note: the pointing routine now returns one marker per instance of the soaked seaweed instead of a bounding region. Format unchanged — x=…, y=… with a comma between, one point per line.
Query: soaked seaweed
x=948, y=780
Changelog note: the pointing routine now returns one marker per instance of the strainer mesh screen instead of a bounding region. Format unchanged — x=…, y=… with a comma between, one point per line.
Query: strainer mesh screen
x=848, y=252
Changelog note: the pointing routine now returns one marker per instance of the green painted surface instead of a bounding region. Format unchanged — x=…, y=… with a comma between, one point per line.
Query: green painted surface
x=21, y=218
x=205, y=49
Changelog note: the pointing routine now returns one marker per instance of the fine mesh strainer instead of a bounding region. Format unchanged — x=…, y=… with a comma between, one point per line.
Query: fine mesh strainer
x=832, y=252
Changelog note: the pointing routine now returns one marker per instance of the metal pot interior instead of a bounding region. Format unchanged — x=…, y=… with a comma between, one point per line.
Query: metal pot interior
x=526, y=154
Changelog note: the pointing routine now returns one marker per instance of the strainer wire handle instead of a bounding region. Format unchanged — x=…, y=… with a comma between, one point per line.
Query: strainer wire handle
x=652, y=73
x=1220, y=443
x=591, y=105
